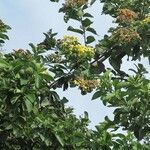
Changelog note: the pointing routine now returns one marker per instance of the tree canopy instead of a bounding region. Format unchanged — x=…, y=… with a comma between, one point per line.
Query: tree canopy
x=32, y=114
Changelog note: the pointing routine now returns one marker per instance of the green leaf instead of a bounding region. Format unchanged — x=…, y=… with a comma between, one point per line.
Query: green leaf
x=55, y=95
x=86, y=22
x=91, y=30
x=42, y=137
x=31, y=97
x=70, y=28
x=23, y=81
x=96, y=95
x=92, y=2
x=29, y=105
x=8, y=127
x=59, y=139
x=37, y=80
x=2, y=41
x=54, y=1
x=85, y=7
x=64, y=100
x=97, y=67
x=86, y=115
x=3, y=64
x=87, y=15
x=47, y=77
x=115, y=63
x=34, y=49
x=90, y=39
x=4, y=36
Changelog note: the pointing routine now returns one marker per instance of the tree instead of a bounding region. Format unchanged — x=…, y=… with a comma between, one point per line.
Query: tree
x=32, y=115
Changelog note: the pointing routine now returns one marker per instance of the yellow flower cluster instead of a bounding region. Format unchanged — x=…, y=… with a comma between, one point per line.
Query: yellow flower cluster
x=125, y=36
x=86, y=85
x=146, y=20
x=72, y=49
x=83, y=51
x=70, y=40
x=74, y=3
x=126, y=15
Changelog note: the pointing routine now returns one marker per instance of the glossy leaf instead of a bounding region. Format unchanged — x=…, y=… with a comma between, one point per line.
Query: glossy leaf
x=70, y=28
x=86, y=22
x=90, y=39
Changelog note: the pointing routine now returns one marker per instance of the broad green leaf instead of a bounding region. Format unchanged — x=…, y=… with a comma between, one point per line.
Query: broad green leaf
x=92, y=2
x=70, y=28
x=86, y=115
x=116, y=63
x=64, y=100
x=91, y=30
x=31, y=97
x=87, y=15
x=34, y=48
x=90, y=39
x=47, y=77
x=29, y=105
x=22, y=81
x=96, y=95
x=86, y=22
x=2, y=41
x=3, y=64
x=54, y=1
x=55, y=95
x=8, y=127
x=4, y=36
x=60, y=140
x=37, y=80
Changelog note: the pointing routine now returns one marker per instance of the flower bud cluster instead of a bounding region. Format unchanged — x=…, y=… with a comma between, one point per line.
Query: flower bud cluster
x=75, y=3
x=86, y=85
x=20, y=53
x=54, y=57
x=146, y=20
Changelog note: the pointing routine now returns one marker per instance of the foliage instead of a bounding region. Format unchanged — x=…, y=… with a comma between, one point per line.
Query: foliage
x=3, y=31
x=33, y=116
x=131, y=99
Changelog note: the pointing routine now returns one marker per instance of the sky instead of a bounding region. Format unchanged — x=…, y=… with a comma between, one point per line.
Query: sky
x=30, y=18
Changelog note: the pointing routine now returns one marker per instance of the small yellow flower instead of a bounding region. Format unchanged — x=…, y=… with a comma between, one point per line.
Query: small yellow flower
x=85, y=84
x=72, y=49
x=146, y=20
x=45, y=72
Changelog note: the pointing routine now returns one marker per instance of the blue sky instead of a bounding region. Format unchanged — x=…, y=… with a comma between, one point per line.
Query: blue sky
x=30, y=18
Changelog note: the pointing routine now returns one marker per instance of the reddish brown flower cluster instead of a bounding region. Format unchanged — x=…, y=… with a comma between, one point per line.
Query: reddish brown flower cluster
x=20, y=53
x=126, y=15
x=125, y=36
